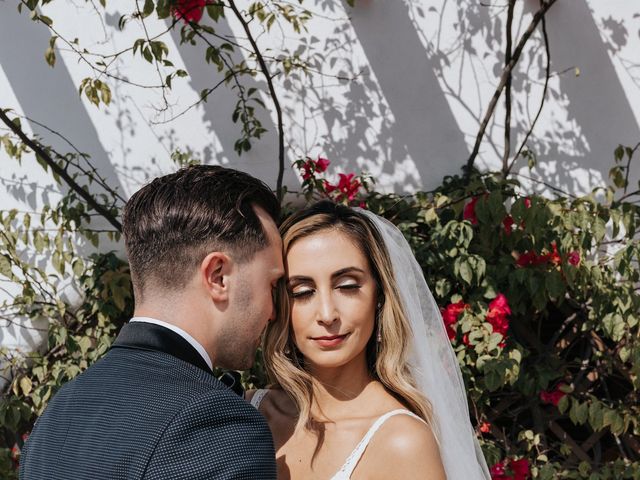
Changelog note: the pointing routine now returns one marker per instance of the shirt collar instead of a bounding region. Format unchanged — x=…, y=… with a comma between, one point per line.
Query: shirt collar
x=192, y=341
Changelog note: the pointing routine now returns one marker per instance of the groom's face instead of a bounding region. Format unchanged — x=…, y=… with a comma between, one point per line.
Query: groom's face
x=251, y=301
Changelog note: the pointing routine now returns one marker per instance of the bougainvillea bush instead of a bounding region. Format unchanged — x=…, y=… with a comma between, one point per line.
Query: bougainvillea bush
x=538, y=296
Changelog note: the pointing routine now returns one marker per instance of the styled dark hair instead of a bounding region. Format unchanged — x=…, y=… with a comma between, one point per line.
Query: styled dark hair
x=172, y=223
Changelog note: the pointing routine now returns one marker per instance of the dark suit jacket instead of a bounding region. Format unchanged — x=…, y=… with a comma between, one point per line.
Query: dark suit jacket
x=149, y=409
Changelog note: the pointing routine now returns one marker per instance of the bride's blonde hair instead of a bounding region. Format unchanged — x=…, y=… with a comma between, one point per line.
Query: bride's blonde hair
x=387, y=359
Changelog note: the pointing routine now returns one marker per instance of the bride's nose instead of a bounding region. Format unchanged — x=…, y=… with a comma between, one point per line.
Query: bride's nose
x=327, y=310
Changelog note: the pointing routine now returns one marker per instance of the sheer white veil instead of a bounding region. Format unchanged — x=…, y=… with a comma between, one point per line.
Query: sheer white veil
x=433, y=362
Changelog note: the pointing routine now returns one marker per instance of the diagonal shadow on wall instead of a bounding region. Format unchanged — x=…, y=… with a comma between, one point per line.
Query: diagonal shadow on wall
x=48, y=95
x=596, y=100
x=262, y=159
x=423, y=119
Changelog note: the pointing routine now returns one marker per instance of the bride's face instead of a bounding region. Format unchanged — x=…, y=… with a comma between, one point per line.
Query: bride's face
x=333, y=297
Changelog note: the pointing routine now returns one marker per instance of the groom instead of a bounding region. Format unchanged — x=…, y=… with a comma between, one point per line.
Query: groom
x=205, y=255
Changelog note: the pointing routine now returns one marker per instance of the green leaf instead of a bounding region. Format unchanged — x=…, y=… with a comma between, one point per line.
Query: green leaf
x=555, y=285
x=26, y=385
x=148, y=8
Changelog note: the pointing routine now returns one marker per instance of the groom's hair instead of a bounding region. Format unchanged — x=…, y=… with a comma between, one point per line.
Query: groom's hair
x=172, y=223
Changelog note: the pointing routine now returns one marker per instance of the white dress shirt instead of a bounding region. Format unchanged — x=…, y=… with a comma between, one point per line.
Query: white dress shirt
x=192, y=341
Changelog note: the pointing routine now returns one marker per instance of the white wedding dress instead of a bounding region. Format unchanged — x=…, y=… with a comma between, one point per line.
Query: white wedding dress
x=350, y=464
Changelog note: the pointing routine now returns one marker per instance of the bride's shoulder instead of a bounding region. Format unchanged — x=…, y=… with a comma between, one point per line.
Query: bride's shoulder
x=413, y=446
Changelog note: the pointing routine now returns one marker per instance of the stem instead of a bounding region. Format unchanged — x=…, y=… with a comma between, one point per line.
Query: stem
x=272, y=92
x=507, y=92
x=503, y=79
x=547, y=76
x=62, y=173
x=626, y=175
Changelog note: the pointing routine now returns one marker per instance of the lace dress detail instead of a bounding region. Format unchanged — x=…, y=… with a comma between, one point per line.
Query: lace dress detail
x=352, y=460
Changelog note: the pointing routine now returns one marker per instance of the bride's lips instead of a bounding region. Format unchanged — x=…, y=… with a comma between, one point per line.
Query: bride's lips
x=330, y=340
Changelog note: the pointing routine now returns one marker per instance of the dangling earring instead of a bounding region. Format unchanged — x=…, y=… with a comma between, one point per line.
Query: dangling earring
x=378, y=312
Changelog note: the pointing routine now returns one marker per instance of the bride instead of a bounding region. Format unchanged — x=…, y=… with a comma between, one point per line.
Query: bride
x=365, y=382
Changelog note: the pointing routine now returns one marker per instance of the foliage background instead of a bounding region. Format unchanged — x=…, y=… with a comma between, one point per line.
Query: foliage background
x=539, y=294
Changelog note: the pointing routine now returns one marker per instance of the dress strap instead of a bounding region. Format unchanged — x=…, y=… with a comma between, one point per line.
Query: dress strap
x=258, y=396
x=354, y=458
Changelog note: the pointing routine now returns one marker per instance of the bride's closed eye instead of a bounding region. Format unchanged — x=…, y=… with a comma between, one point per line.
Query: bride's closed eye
x=302, y=293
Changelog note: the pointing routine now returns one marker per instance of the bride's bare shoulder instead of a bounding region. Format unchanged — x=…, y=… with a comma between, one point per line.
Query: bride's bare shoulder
x=413, y=447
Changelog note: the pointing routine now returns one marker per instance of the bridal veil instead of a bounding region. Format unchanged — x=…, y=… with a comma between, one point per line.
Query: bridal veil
x=433, y=362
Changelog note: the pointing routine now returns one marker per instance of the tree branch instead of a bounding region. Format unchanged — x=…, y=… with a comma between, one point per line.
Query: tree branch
x=272, y=92
x=62, y=173
x=546, y=5
x=507, y=92
x=547, y=76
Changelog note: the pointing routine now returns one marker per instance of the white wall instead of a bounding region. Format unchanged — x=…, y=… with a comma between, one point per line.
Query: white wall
x=420, y=74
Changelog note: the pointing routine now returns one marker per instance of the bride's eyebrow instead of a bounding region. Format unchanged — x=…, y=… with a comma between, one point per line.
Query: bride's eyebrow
x=344, y=271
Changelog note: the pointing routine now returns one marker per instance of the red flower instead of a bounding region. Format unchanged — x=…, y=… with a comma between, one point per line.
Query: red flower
x=450, y=316
x=485, y=427
x=554, y=256
x=328, y=187
x=322, y=164
x=465, y=339
x=574, y=258
x=469, y=212
x=552, y=397
x=508, y=224
x=530, y=257
x=497, y=315
x=189, y=10
x=527, y=202
x=497, y=472
x=348, y=186
x=519, y=470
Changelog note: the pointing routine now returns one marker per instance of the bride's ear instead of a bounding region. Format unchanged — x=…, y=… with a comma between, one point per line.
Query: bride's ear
x=215, y=270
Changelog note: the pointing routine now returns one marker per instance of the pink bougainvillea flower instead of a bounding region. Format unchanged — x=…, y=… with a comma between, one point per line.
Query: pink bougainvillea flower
x=497, y=472
x=307, y=170
x=311, y=167
x=485, y=427
x=519, y=470
x=530, y=257
x=574, y=258
x=189, y=10
x=497, y=314
x=508, y=224
x=328, y=187
x=469, y=212
x=450, y=316
x=322, y=164
x=348, y=186
x=552, y=397
x=554, y=256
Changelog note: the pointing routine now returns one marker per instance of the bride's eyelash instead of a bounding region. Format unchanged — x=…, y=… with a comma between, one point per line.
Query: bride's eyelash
x=350, y=288
x=302, y=294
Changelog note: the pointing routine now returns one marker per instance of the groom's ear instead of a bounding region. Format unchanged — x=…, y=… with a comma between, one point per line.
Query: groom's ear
x=214, y=272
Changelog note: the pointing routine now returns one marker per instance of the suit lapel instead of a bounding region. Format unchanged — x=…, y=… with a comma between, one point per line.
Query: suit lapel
x=151, y=337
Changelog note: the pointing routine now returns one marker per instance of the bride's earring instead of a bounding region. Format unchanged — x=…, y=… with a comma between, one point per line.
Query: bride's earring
x=378, y=312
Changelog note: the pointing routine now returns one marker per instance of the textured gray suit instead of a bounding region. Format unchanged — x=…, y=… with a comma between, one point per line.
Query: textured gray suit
x=150, y=409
